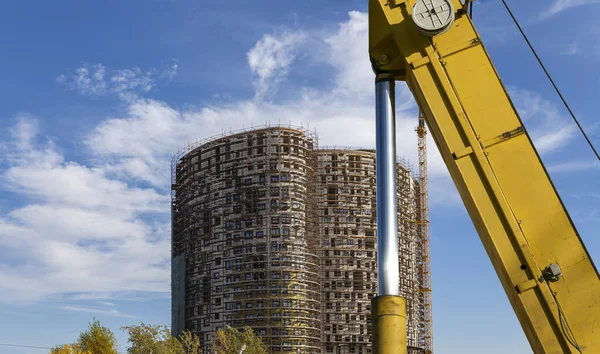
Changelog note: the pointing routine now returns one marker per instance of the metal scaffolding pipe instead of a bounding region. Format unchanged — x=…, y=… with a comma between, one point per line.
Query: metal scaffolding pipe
x=387, y=204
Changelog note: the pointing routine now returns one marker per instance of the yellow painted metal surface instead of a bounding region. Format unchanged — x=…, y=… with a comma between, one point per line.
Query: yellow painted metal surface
x=388, y=315
x=516, y=210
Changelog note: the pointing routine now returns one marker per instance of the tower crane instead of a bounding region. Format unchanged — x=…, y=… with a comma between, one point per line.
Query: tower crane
x=425, y=252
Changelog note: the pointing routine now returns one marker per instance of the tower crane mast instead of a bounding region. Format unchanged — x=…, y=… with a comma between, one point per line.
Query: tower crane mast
x=425, y=251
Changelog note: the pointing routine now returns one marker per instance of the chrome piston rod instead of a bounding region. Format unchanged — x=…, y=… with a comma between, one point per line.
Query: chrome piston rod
x=387, y=200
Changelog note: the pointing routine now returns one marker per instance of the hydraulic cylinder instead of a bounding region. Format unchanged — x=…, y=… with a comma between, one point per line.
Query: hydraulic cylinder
x=388, y=309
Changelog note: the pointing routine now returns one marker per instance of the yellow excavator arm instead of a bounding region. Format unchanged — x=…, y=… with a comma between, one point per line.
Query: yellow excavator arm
x=549, y=277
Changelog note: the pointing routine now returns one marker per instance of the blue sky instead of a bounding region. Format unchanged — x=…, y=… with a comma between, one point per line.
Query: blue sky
x=96, y=97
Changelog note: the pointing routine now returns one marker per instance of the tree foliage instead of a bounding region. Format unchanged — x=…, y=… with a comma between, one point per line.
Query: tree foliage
x=230, y=341
x=68, y=349
x=155, y=339
x=143, y=339
x=190, y=343
x=96, y=340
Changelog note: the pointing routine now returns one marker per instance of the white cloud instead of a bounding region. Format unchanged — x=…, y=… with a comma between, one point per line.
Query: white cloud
x=19, y=149
x=96, y=310
x=140, y=144
x=270, y=59
x=349, y=55
x=24, y=131
x=96, y=80
x=549, y=129
x=574, y=166
x=562, y=5
x=131, y=79
x=84, y=231
x=170, y=72
x=550, y=140
x=87, y=79
x=79, y=231
x=589, y=215
x=572, y=49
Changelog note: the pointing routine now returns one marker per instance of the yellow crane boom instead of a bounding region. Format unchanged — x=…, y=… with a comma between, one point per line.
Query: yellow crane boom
x=546, y=272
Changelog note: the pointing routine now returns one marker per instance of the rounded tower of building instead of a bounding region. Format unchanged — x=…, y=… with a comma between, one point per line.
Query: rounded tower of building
x=347, y=206
x=244, y=238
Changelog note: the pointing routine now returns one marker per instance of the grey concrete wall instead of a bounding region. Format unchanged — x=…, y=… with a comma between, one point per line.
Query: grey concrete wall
x=178, y=295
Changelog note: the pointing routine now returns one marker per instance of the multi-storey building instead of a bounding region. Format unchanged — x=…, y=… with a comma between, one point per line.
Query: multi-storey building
x=244, y=239
x=346, y=195
x=270, y=232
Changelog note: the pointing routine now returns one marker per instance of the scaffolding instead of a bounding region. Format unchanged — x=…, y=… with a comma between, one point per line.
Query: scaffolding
x=243, y=219
x=271, y=232
x=346, y=193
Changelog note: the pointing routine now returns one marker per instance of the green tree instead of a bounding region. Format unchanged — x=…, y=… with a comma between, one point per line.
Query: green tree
x=67, y=349
x=190, y=343
x=155, y=339
x=98, y=340
x=230, y=341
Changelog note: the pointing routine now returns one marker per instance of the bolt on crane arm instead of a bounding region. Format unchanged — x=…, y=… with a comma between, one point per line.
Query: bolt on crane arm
x=534, y=247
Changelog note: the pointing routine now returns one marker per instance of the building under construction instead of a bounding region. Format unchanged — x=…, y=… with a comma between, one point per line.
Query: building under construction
x=271, y=232
x=346, y=195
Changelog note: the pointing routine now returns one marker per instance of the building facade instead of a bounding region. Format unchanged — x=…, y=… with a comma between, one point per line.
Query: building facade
x=269, y=231
x=347, y=205
x=244, y=239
